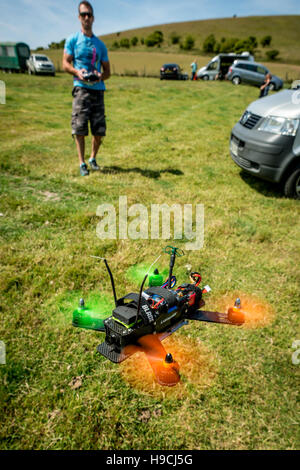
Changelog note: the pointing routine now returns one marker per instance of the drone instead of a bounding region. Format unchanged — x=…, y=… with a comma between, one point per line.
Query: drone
x=141, y=321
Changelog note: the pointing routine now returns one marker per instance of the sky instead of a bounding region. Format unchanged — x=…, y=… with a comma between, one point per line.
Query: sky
x=39, y=22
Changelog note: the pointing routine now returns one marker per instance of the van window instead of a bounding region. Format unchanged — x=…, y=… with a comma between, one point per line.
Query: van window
x=24, y=51
x=252, y=68
x=3, y=51
x=10, y=51
x=241, y=66
x=212, y=66
x=262, y=70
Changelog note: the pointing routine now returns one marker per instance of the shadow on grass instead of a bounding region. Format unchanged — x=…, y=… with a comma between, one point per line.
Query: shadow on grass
x=266, y=188
x=155, y=174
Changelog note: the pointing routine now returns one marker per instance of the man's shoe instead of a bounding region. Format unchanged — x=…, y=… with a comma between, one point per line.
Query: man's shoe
x=84, y=170
x=93, y=164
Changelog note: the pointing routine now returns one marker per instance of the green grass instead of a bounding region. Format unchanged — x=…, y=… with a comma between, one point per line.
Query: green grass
x=166, y=142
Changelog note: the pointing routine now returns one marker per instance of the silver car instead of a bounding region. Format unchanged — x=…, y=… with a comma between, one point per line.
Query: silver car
x=243, y=71
x=39, y=63
x=266, y=140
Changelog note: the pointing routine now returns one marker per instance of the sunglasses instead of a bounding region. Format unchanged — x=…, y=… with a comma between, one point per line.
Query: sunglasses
x=86, y=13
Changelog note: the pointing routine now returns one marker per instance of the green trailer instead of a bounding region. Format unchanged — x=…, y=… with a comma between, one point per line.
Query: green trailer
x=13, y=56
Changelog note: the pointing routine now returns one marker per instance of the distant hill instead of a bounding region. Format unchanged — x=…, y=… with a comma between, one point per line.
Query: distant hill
x=285, y=32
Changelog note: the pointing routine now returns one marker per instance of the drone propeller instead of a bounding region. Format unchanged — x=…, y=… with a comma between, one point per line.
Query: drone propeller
x=137, y=272
x=165, y=368
x=254, y=312
x=92, y=311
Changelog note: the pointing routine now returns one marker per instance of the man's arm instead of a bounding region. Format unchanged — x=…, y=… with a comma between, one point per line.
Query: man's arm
x=105, y=71
x=68, y=67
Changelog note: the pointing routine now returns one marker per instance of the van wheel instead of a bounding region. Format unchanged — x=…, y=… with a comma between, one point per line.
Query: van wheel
x=236, y=80
x=205, y=77
x=292, y=184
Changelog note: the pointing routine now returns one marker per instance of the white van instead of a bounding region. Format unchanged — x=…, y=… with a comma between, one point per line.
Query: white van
x=266, y=140
x=220, y=64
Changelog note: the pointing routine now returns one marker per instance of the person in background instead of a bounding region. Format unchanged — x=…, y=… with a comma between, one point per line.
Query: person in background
x=85, y=53
x=264, y=89
x=194, y=70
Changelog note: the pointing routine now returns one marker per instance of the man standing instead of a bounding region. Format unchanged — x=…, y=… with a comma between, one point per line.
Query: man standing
x=264, y=89
x=85, y=53
x=194, y=70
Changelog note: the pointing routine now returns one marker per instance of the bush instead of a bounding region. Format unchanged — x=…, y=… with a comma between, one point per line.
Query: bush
x=209, y=43
x=188, y=43
x=134, y=40
x=246, y=45
x=125, y=43
x=116, y=45
x=154, y=39
x=217, y=47
x=266, y=41
x=273, y=54
x=175, y=38
x=229, y=45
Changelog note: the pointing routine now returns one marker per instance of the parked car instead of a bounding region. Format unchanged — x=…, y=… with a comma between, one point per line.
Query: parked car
x=38, y=63
x=253, y=73
x=13, y=56
x=266, y=140
x=220, y=64
x=172, y=72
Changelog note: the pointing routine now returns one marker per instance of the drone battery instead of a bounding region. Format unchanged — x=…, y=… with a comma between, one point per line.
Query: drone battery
x=125, y=314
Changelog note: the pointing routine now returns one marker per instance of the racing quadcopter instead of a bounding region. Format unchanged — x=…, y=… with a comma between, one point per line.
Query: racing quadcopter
x=141, y=321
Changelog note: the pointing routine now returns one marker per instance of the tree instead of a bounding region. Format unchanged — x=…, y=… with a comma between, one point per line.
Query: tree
x=154, y=39
x=134, y=40
x=252, y=40
x=116, y=45
x=175, y=38
x=188, y=43
x=124, y=42
x=217, y=47
x=229, y=45
x=209, y=43
x=273, y=54
x=57, y=45
x=266, y=40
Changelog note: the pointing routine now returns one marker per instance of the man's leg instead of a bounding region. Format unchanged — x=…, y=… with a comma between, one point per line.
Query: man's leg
x=80, y=117
x=96, y=142
x=98, y=127
x=80, y=144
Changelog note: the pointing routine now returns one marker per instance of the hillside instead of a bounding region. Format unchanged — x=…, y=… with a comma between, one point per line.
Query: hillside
x=285, y=32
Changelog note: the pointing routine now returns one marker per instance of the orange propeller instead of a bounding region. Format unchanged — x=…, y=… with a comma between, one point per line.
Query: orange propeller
x=165, y=368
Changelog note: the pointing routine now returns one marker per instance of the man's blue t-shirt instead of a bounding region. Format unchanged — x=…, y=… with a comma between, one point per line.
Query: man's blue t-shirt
x=88, y=53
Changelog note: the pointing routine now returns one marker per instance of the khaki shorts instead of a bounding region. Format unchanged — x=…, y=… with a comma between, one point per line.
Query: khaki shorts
x=88, y=105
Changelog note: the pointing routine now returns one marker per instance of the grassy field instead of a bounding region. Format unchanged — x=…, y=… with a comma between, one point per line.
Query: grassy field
x=141, y=63
x=166, y=142
x=285, y=32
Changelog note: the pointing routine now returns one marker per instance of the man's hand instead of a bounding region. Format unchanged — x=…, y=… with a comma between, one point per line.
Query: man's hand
x=79, y=74
x=98, y=74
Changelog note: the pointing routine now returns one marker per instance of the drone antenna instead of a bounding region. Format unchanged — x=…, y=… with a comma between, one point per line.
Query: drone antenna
x=110, y=275
x=140, y=299
x=141, y=289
